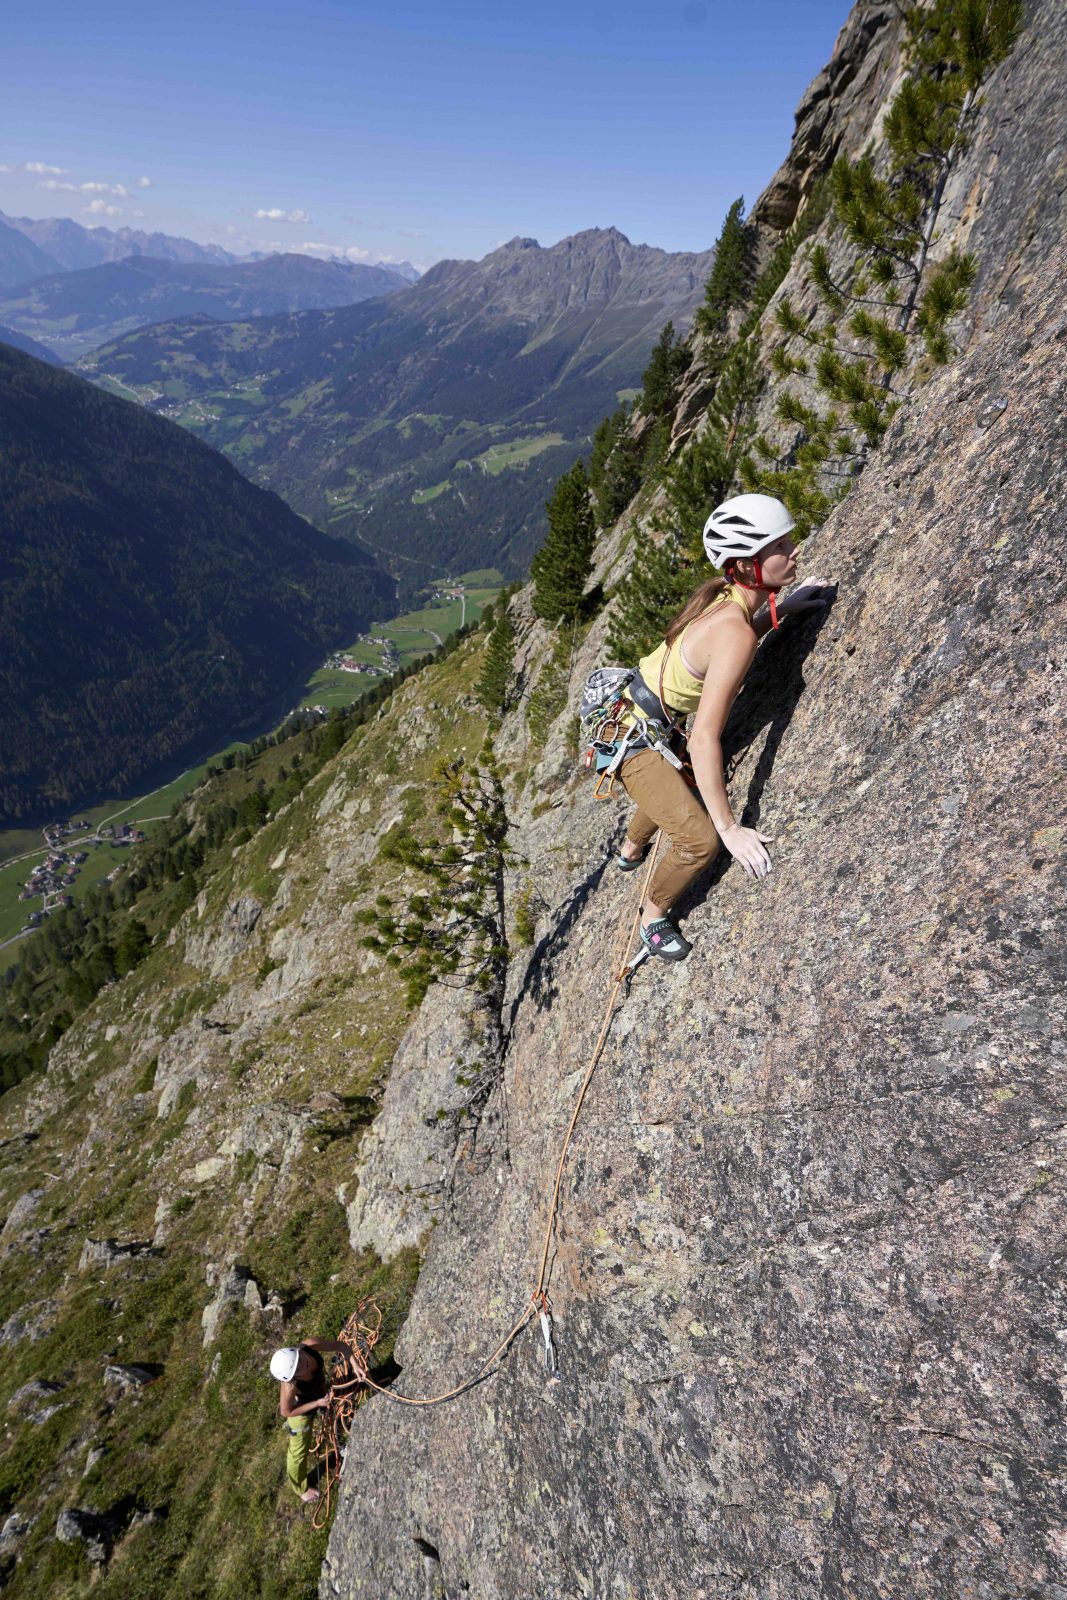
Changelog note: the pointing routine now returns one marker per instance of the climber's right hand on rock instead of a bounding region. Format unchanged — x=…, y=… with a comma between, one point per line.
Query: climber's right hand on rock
x=746, y=845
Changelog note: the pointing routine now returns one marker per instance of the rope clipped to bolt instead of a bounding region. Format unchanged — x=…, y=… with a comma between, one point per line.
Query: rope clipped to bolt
x=538, y=1304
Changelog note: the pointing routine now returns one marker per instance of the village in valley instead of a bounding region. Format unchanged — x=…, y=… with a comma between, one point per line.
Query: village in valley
x=51, y=879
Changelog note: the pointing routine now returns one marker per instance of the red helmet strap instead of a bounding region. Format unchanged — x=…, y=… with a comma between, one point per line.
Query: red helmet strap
x=769, y=589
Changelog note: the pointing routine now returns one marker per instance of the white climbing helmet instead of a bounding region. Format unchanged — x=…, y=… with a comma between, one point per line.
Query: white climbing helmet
x=744, y=526
x=283, y=1364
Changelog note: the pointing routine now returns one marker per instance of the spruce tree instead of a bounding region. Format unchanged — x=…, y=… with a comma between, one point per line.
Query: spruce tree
x=495, y=682
x=660, y=379
x=887, y=310
x=614, y=467
x=729, y=284
x=561, y=568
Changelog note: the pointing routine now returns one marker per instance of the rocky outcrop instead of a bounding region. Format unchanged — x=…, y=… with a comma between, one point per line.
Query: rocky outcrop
x=105, y=1253
x=92, y=1531
x=35, y=1401
x=406, y=1158
x=234, y=1286
x=16, y=1219
x=125, y=1378
x=804, y=1276
x=216, y=946
x=32, y=1323
x=838, y=110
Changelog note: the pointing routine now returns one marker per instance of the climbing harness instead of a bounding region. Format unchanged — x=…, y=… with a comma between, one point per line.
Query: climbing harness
x=619, y=715
x=366, y=1319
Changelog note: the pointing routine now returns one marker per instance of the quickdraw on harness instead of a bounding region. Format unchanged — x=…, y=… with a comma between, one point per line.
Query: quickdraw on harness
x=620, y=715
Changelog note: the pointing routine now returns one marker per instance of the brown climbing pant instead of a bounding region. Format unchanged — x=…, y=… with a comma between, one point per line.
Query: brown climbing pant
x=664, y=800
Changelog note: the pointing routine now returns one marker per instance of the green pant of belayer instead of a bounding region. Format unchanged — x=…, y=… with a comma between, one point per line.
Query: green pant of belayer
x=296, y=1459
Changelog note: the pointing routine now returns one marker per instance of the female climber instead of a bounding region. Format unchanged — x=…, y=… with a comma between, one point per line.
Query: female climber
x=301, y=1372
x=699, y=668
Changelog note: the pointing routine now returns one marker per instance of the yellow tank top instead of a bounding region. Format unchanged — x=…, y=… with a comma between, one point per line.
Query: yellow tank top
x=681, y=690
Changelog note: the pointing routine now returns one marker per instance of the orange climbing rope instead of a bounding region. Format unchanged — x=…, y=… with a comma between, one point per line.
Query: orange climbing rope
x=538, y=1303
x=347, y=1391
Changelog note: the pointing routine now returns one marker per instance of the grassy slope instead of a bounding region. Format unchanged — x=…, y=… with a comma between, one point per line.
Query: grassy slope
x=200, y=1449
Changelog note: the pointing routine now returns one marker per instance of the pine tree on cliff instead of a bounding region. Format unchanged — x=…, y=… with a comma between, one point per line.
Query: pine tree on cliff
x=561, y=568
x=614, y=467
x=729, y=284
x=886, y=310
x=495, y=682
x=455, y=930
x=659, y=381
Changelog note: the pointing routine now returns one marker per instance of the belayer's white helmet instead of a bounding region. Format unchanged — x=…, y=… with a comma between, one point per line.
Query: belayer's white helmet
x=283, y=1364
x=744, y=526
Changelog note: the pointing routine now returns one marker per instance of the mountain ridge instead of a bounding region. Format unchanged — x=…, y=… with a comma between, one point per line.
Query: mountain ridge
x=76, y=311
x=430, y=426
x=20, y=258
x=152, y=599
x=72, y=246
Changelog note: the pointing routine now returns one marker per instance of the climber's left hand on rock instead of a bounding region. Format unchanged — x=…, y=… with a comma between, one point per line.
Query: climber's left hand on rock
x=811, y=595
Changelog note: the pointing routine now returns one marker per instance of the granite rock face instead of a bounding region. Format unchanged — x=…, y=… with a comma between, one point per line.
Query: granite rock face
x=805, y=1276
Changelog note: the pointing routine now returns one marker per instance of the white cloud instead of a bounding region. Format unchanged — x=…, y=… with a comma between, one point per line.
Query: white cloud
x=43, y=170
x=334, y=252
x=5, y=168
x=144, y=183
x=118, y=189
x=100, y=208
x=276, y=214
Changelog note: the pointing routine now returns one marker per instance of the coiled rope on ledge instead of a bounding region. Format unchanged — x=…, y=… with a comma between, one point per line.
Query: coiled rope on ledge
x=352, y=1380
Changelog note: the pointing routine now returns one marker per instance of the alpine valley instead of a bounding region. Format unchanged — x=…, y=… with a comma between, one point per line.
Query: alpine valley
x=428, y=426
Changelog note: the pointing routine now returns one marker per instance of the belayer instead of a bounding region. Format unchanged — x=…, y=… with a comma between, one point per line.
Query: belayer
x=699, y=669
x=301, y=1372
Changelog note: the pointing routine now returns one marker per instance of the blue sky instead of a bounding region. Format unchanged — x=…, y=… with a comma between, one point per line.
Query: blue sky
x=411, y=130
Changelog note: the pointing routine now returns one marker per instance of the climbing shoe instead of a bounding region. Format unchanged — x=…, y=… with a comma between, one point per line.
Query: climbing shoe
x=661, y=938
x=631, y=866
